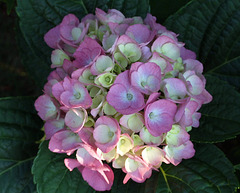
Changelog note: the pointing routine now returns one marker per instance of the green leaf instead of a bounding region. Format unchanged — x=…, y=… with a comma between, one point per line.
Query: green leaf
x=37, y=17
x=229, y=71
x=237, y=167
x=211, y=29
x=19, y=131
x=37, y=69
x=164, y=8
x=208, y=171
x=130, y=8
x=52, y=176
x=220, y=118
x=130, y=186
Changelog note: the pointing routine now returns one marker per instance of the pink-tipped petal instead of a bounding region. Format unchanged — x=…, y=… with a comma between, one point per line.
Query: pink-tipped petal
x=64, y=142
x=101, y=179
x=52, y=37
x=159, y=116
x=46, y=107
x=71, y=163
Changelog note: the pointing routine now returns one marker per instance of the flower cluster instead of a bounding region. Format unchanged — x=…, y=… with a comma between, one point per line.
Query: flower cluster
x=123, y=91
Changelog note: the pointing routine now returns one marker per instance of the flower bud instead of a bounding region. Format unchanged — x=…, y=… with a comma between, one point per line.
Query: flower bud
x=153, y=156
x=125, y=144
x=132, y=121
x=106, y=80
x=58, y=57
x=148, y=138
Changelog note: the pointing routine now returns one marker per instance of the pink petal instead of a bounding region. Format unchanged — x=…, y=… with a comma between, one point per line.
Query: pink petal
x=86, y=135
x=187, y=54
x=46, y=107
x=175, y=154
x=159, y=116
x=140, y=33
x=71, y=163
x=100, y=179
x=64, y=142
x=52, y=37
x=53, y=126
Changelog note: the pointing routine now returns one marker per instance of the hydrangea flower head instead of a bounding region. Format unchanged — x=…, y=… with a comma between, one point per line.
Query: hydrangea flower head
x=123, y=91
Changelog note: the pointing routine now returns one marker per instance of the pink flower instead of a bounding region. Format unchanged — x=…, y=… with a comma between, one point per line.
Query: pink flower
x=84, y=76
x=113, y=16
x=175, y=154
x=72, y=93
x=87, y=53
x=75, y=119
x=106, y=133
x=153, y=156
x=174, y=89
x=146, y=77
x=177, y=136
x=140, y=33
x=123, y=97
x=186, y=113
x=52, y=126
x=167, y=46
x=71, y=31
x=195, y=65
x=136, y=169
x=64, y=142
x=88, y=156
x=52, y=37
x=161, y=62
x=86, y=135
x=194, y=83
x=100, y=178
x=47, y=108
x=159, y=116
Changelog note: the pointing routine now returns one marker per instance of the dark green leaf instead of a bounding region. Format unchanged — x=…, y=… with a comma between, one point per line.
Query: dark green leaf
x=220, y=118
x=130, y=186
x=130, y=8
x=208, y=171
x=19, y=131
x=164, y=8
x=211, y=29
x=52, y=176
x=229, y=71
x=37, y=69
x=237, y=167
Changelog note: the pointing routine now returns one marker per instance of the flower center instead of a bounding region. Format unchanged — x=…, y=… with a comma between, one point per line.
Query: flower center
x=91, y=77
x=129, y=96
x=107, y=79
x=122, y=141
x=110, y=134
x=77, y=95
x=151, y=115
x=143, y=83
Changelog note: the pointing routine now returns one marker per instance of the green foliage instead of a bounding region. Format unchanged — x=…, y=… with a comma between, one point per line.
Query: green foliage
x=130, y=8
x=52, y=176
x=19, y=131
x=211, y=29
x=209, y=171
x=163, y=8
